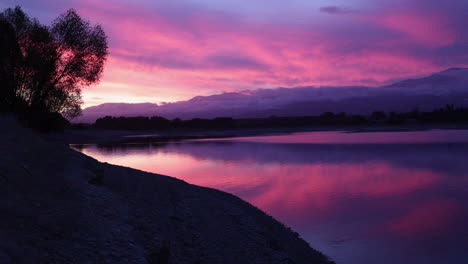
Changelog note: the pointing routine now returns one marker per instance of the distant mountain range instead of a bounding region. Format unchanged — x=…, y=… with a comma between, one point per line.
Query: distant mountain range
x=437, y=90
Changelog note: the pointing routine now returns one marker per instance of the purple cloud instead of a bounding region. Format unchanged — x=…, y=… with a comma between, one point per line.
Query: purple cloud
x=335, y=10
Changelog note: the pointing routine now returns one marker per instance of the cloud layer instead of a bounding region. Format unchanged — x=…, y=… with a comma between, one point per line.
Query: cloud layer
x=174, y=50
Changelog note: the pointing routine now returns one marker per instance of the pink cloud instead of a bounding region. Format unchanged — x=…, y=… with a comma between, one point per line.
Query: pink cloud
x=174, y=52
x=426, y=28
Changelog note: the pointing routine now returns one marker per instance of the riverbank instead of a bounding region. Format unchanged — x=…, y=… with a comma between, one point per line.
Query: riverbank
x=99, y=136
x=60, y=206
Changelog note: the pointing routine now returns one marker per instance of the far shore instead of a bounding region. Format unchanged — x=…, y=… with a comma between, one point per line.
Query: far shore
x=100, y=136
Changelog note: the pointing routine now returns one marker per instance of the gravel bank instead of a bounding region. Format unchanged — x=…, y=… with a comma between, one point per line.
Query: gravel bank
x=60, y=206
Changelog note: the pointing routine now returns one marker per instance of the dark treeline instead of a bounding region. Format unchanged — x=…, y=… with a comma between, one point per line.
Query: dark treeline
x=449, y=114
x=44, y=67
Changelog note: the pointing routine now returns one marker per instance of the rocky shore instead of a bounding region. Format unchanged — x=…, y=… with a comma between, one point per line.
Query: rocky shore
x=60, y=206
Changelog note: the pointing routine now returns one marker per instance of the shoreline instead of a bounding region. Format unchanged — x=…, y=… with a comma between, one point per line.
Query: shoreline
x=96, y=136
x=59, y=205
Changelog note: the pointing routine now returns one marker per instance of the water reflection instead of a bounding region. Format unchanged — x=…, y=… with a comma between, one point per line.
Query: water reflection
x=358, y=203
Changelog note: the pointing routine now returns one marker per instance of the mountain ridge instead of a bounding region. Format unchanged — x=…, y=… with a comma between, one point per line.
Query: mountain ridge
x=446, y=87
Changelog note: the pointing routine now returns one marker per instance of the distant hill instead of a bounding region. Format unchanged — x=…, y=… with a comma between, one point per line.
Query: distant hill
x=90, y=114
x=446, y=87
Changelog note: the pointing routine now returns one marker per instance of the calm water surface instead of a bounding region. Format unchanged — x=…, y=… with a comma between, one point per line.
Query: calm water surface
x=388, y=197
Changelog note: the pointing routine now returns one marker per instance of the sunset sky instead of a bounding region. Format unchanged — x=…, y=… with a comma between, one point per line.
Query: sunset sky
x=171, y=50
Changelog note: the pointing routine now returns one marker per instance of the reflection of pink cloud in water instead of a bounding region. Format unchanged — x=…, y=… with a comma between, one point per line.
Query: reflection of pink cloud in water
x=284, y=187
x=333, y=137
x=388, y=204
x=425, y=220
x=189, y=169
x=317, y=186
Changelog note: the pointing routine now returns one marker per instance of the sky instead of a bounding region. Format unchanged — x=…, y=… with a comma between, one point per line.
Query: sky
x=172, y=50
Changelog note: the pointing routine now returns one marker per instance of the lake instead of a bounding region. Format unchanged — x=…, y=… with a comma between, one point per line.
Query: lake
x=375, y=197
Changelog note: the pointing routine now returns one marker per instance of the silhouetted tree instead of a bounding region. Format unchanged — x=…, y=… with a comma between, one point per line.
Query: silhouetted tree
x=378, y=115
x=43, y=68
x=10, y=56
x=447, y=115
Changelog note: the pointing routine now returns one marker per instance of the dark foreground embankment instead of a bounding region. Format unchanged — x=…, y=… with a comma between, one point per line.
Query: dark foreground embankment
x=60, y=206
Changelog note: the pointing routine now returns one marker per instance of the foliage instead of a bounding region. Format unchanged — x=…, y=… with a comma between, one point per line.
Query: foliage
x=43, y=68
x=449, y=114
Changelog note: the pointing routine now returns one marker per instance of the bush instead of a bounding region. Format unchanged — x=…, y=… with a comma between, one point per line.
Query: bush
x=45, y=122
